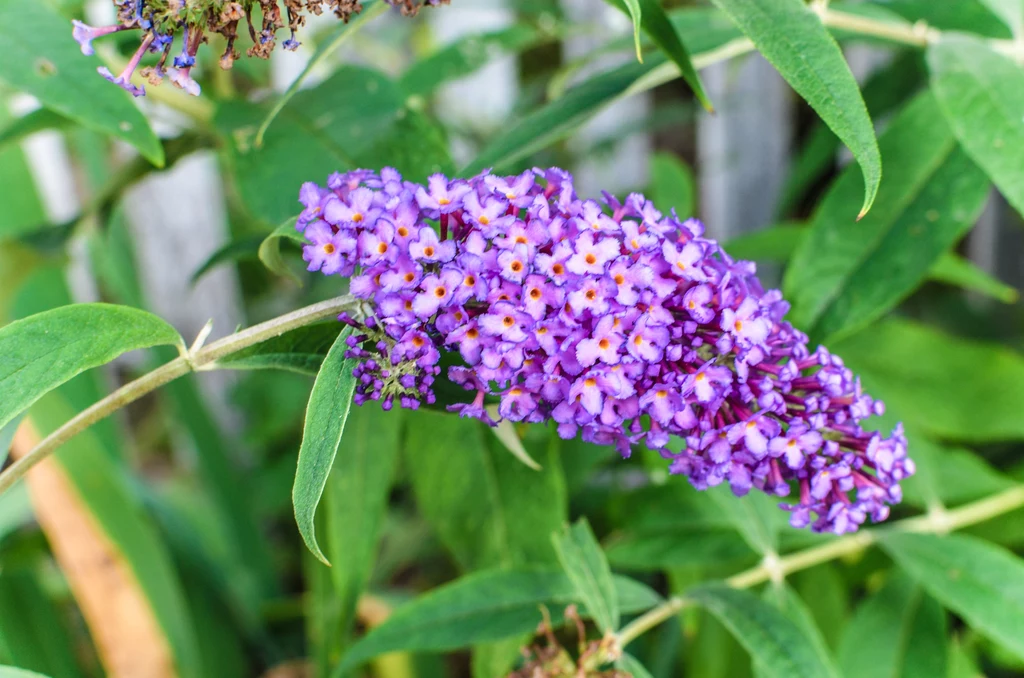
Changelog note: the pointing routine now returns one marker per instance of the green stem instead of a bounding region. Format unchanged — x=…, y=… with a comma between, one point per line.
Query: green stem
x=195, y=359
x=777, y=568
x=918, y=34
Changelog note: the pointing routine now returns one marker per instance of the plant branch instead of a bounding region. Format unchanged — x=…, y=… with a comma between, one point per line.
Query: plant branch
x=201, y=359
x=932, y=523
x=918, y=34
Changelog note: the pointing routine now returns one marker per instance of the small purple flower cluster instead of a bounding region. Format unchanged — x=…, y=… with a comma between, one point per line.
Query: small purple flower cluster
x=611, y=319
x=160, y=20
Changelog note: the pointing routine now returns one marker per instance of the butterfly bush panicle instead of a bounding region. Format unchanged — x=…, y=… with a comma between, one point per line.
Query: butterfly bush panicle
x=610, y=318
x=159, y=21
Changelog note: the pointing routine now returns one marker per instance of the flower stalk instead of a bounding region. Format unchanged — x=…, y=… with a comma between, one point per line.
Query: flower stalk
x=965, y=516
x=191, y=360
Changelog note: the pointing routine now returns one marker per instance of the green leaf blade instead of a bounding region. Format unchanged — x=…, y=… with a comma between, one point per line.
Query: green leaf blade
x=940, y=385
x=326, y=414
x=845, y=275
x=45, y=350
x=659, y=28
x=486, y=506
x=793, y=39
x=481, y=607
x=899, y=631
x=357, y=501
x=776, y=644
x=586, y=565
x=981, y=582
x=982, y=95
x=54, y=70
x=301, y=350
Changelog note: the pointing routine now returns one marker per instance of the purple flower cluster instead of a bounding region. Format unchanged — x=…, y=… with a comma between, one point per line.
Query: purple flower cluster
x=160, y=20
x=611, y=319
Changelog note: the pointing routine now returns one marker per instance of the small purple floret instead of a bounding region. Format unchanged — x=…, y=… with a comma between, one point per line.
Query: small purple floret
x=122, y=81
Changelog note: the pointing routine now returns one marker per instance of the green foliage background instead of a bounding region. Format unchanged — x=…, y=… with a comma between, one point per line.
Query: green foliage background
x=447, y=540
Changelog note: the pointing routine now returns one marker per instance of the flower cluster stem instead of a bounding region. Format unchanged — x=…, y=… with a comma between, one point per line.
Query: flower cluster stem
x=954, y=519
x=202, y=359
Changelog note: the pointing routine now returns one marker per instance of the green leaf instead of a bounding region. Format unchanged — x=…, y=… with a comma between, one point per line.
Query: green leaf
x=776, y=644
x=884, y=91
x=971, y=16
x=949, y=475
x=790, y=604
x=778, y=244
x=636, y=16
x=942, y=386
x=21, y=211
x=1011, y=12
x=356, y=118
x=14, y=672
x=40, y=58
x=300, y=350
x=586, y=565
x=845, y=275
x=32, y=632
x=481, y=607
x=771, y=244
x=7, y=436
x=752, y=515
x=899, y=631
x=344, y=31
x=487, y=508
x=45, y=350
x=677, y=546
x=981, y=582
x=356, y=501
x=633, y=667
x=953, y=269
x=326, y=414
x=270, y=249
x=982, y=95
x=793, y=39
x=246, y=247
x=672, y=184
x=657, y=26
x=545, y=125
x=30, y=123
x=507, y=435
x=700, y=30
x=465, y=56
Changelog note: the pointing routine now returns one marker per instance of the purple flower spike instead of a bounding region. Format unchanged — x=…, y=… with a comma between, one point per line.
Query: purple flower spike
x=616, y=322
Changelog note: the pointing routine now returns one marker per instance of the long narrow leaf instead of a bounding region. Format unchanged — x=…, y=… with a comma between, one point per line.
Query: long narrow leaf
x=326, y=414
